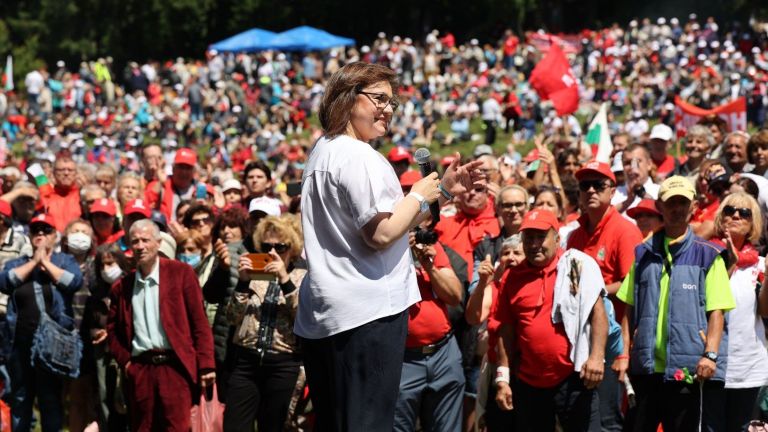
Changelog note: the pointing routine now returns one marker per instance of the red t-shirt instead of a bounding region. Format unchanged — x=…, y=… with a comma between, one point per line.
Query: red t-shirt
x=428, y=319
x=541, y=347
x=63, y=204
x=462, y=233
x=612, y=245
x=703, y=214
x=664, y=167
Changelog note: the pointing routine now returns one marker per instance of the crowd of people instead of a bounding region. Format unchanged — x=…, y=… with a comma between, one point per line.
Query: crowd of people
x=130, y=204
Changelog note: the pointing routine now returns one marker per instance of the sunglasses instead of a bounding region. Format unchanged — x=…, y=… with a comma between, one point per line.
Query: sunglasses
x=200, y=222
x=597, y=185
x=278, y=247
x=40, y=229
x=744, y=213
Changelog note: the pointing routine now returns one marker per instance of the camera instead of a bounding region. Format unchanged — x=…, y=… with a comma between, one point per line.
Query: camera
x=425, y=236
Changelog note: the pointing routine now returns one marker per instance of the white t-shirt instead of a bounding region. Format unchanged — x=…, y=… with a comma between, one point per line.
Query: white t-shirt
x=747, y=347
x=345, y=184
x=621, y=195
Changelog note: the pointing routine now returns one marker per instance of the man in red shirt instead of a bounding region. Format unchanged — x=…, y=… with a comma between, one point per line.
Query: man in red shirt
x=432, y=382
x=610, y=239
x=547, y=383
x=63, y=202
x=461, y=233
x=180, y=186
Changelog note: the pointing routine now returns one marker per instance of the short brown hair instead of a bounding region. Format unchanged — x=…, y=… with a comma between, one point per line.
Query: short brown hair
x=341, y=93
x=757, y=141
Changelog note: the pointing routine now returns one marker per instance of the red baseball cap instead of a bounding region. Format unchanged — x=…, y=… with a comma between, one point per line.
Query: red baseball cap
x=5, y=208
x=185, y=156
x=104, y=205
x=647, y=206
x=540, y=219
x=600, y=168
x=137, y=206
x=398, y=154
x=43, y=218
x=409, y=178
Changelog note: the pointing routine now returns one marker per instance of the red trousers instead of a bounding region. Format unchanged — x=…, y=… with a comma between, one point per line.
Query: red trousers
x=159, y=397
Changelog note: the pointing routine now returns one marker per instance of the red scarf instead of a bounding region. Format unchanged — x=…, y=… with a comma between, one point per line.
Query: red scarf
x=747, y=256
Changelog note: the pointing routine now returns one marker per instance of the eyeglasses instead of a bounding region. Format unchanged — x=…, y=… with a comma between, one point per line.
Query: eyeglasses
x=512, y=205
x=597, y=185
x=381, y=100
x=40, y=229
x=278, y=247
x=744, y=213
x=200, y=222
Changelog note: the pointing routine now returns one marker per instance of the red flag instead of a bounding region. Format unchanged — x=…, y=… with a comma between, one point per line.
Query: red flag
x=552, y=78
x=734, y=113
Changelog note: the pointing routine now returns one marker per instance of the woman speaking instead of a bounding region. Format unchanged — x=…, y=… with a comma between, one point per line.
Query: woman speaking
x=353, y=303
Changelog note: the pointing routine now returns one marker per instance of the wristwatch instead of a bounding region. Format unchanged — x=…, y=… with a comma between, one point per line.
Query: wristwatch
x=423, y=204
x=710, y=355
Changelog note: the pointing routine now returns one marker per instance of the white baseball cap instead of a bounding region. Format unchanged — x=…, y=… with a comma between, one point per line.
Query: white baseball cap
x=662, y=132
x=267, y=205
x=231, y=184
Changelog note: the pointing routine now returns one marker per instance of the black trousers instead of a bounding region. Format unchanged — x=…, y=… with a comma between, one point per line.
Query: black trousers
x=574, y=406
x=734, y=409
x=260, y=389
x=673, y=404
x=497, y=420
x=354, y=376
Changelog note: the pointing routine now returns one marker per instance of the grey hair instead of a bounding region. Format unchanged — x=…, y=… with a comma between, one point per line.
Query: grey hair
x=129, y=175
x=146, y=224
x=516, y=187
x=701, y=131
x=491, y=160
x=737, y=133
x=91, y=187
x=514, y=241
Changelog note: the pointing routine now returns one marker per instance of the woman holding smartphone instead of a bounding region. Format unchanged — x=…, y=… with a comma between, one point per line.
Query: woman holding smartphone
x=266, y=356
x=352, y=316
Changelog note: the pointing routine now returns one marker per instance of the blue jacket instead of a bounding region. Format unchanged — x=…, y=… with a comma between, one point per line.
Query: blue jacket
x=687, y=318
x=61, y=307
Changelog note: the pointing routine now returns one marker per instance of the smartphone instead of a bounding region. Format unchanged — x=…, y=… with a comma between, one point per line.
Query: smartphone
x=293, y=189
x=259, y=261
x=202, y=191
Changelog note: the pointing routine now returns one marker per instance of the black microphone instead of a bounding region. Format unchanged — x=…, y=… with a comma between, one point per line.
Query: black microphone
x=422, y=158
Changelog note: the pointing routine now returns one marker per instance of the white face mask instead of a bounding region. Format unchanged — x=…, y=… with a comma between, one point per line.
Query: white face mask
x=79, y=243
x=111, y=274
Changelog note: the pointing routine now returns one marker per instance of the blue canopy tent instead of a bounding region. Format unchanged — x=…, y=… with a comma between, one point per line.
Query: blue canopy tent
x=248, y=41
x=307, y=38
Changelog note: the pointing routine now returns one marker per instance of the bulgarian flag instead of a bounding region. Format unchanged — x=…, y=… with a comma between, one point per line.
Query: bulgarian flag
x=8, y=73
x=41, y=180
x=597, y=135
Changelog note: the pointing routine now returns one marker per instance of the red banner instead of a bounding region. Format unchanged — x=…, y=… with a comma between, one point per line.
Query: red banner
x=571, y=44
x=734, y=113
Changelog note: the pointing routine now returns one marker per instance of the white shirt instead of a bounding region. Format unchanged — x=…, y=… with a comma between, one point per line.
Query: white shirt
x=621, y=195
x=148, y=332
x=747, y=347
x=345, y=184
x=34, y=82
